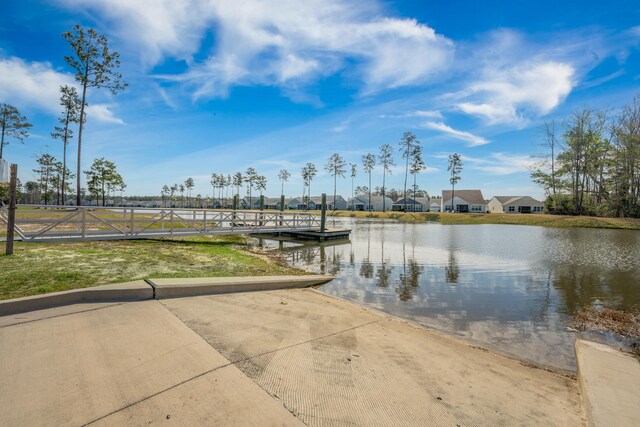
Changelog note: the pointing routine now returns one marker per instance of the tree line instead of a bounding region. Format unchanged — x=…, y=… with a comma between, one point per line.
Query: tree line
x=409, y=146
x=592, y=163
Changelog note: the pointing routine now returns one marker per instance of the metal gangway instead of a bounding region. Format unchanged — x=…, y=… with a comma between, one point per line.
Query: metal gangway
x=47, y=223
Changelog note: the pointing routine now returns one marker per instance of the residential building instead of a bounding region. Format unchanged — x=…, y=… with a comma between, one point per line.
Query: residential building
x=464, y=201
x=361, y=203
x=515, y=204
x=418, y=204
x=315, y=202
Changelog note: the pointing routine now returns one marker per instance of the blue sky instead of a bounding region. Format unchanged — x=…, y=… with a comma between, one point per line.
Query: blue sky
x=218, y=86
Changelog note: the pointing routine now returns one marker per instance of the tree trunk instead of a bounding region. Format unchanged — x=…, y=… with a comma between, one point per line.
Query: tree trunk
x=80, y=127
x=384, y=175
x=406, y=171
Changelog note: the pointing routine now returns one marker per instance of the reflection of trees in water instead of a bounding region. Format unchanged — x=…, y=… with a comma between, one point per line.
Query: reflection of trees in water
x=579, y=286
x=366, y=269
x=451, y=270
x=409, y=279
x=383, y=273
x=335, y=262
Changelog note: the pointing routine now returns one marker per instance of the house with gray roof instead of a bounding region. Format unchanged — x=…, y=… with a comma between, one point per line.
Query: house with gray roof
x=361, y=203
x=417, y=204
x=514, y=204
x=464, y=201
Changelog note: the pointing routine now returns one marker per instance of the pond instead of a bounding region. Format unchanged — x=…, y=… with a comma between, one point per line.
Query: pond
x=510, y=288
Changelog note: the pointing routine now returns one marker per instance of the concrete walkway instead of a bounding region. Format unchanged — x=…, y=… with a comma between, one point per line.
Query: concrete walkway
x=609, y=381
x=287, y=357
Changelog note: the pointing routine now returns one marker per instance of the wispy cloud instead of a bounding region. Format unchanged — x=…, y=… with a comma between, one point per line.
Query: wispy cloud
x=103, y=113
x=37, y=84
x=431, y=114
x=278, y=43
x=504, y=95
x=500, y=163
x=471, y=139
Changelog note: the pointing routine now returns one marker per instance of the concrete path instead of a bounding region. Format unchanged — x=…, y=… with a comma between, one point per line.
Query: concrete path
x=609, y=380
x=334, y=363
x=124, y=364
x=262, y=358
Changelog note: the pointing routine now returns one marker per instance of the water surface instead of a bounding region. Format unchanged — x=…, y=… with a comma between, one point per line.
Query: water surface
x=506, y=287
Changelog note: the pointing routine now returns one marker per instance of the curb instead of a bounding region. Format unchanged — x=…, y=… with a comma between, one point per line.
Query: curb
x=176, y=288
x=159, y=289
x=129, y=291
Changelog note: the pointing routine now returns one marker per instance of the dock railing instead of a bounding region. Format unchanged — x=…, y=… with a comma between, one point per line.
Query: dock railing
x=38, y=223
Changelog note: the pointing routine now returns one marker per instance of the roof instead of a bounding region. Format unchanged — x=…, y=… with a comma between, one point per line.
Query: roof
x=318, y=199
x=374, y=199
x=471, y=196
x=411, y=201
x=505, y=200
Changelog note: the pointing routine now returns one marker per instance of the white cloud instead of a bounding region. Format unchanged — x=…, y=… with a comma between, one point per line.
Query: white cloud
x=431, y=114
x=31, y=84
x=509, y=94
x=501, y=163
x=102, y=113
x=37, y=85
x=277, y=42
x=471, y=139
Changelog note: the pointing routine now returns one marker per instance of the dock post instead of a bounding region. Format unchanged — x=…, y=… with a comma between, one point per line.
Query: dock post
x=11, y=220
x=323, y=217
x=281, y=207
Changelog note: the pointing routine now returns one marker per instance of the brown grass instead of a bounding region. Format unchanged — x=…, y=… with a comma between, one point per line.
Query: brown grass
x=623, y=323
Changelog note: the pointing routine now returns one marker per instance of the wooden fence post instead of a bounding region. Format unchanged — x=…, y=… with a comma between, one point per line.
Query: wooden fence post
x=323, y=216
x=11, y=222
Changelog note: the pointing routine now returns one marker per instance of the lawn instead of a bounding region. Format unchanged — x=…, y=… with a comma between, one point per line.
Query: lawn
x=37, y=268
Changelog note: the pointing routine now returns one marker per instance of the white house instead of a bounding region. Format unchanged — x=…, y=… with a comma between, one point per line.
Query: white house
x=361, y=203
x=514, y=204
x=464, y=201
x=435, y=204
x=418, y=204
x=315, y=202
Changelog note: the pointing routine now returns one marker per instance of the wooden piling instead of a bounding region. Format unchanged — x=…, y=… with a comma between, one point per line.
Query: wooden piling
x=11, y=222
x=323, y=217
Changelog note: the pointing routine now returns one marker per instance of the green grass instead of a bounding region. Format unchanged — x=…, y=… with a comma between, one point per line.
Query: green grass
x=37, y=268
x=494, y=218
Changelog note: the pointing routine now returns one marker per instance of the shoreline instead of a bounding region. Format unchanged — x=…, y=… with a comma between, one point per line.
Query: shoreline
x=543, y=220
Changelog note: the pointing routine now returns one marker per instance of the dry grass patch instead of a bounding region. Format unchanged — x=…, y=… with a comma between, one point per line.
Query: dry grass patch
x=623, y=323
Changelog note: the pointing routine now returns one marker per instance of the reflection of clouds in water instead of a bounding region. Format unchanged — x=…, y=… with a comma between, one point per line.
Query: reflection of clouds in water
x=506, y=287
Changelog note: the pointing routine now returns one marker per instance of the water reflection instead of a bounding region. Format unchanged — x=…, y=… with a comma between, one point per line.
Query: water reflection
x=507, y=287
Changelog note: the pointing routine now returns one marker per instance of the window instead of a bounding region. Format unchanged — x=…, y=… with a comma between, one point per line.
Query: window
x=537, y=208
x=512, y=208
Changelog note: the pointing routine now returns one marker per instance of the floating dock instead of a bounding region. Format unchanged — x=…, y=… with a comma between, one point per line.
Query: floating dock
x=305, y=235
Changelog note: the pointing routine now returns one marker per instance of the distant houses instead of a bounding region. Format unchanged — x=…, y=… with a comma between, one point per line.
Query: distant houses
x=463, y=201
x=410, y=204
x=361, y=203
x=515, y=204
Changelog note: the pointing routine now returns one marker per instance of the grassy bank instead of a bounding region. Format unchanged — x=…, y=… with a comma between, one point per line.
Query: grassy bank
x=37, y=268
x=495, y=218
